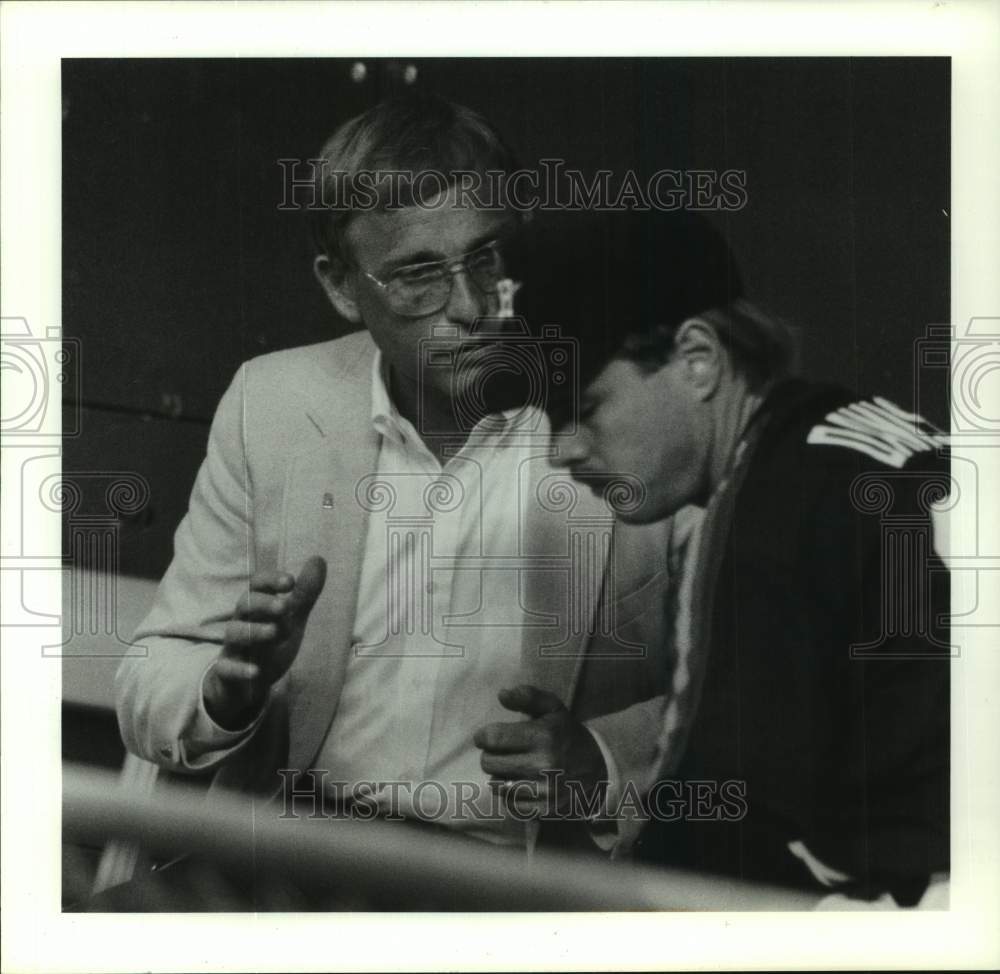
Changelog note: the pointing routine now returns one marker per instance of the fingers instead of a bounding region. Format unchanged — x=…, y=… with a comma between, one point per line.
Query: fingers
x=233, y=691
x=530, y=700
x=547, y=796
x=521, y=790
x=526, y=798
x=272, y=582
x=504, y=738
x=249, y=635
x=515, y=750
x=524, y=746
x=263, y=637
x=513, y=766
x=308, y=585
x=232, y=669
x=273, y=596
x=261, y=606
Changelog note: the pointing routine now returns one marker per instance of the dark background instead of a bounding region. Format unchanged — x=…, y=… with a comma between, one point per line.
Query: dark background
x=178, y=264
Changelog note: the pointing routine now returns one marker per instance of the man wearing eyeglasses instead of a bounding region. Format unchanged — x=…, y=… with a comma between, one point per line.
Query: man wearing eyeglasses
x=373, y=591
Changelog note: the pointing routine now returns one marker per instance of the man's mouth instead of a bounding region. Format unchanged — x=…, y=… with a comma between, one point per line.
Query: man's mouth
x=475, y=353
x=475, y=349
x=595, y=481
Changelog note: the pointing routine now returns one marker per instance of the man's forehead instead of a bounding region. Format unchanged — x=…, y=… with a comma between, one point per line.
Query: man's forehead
x=612, y=376
x=440, y=227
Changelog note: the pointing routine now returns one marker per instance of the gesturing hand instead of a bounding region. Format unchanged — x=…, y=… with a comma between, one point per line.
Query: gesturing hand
x=261, y=642
x=551, y=741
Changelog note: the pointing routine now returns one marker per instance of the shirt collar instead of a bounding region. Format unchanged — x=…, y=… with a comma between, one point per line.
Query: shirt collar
x=385, y=417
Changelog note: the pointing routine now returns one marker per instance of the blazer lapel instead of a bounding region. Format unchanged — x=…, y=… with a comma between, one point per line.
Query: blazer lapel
x=601, y=582
x=323, y=517
x=565, y=546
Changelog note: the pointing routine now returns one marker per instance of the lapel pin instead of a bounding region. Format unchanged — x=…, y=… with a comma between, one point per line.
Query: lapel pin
x=328, y=502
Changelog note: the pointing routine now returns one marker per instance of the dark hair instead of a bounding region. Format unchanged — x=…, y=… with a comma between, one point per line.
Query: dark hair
x=761, y=346
x=412, y=133
x=622, y=283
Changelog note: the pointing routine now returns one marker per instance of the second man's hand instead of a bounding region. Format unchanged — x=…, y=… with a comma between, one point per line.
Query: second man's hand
x=261, y=642
x=534, y=751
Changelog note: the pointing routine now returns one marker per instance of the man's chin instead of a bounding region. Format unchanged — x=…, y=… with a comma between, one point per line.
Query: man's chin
x=488, y=390
x=641, y=515
x=622, y=498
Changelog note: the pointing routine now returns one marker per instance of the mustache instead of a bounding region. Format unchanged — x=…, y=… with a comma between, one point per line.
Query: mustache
x=594, y=479
x=476, y=346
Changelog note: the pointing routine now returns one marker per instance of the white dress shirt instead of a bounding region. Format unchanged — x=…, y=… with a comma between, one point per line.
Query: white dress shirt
x=436, y=634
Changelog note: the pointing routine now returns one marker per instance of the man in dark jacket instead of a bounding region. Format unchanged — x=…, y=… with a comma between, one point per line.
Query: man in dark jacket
x=805, y=737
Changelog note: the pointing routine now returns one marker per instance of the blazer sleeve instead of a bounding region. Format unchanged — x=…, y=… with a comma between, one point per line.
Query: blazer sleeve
x=631, y=737
x=158, y=694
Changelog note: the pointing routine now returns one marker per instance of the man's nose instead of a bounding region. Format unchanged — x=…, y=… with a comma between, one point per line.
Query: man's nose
x=466, y=302
x=570, y=447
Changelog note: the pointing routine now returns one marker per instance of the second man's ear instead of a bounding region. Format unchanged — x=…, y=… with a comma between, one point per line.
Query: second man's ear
x=336, y=282
x=702, y=356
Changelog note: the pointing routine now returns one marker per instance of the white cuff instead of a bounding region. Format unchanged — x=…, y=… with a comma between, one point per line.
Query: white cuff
x=206, y=743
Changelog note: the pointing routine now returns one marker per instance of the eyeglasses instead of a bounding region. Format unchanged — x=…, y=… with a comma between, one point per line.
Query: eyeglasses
x=421, y=289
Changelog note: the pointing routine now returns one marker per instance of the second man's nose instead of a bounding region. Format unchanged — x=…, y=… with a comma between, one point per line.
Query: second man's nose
x=570, y=449
x=466, y=302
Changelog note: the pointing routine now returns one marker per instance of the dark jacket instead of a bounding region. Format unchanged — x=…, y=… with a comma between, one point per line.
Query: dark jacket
x=828, y=546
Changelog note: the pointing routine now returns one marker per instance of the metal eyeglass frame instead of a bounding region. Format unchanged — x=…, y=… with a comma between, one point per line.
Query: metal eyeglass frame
x=452, y=266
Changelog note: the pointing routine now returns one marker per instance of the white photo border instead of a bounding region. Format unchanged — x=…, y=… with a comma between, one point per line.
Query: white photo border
x=37, y=937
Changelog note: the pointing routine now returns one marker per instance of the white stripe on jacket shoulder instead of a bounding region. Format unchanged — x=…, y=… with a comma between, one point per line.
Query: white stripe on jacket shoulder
x=879, y=429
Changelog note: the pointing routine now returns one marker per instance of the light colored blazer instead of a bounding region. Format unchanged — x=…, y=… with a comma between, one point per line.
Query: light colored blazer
x=290, y=442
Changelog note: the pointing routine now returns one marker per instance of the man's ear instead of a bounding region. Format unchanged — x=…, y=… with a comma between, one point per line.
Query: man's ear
x=334, y=279
x=701, y=355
